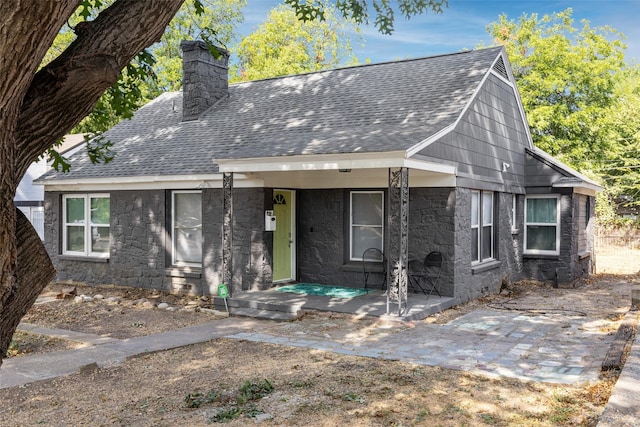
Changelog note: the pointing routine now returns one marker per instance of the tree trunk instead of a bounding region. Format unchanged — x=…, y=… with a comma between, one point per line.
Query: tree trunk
x=37, y=108
x=34, y=271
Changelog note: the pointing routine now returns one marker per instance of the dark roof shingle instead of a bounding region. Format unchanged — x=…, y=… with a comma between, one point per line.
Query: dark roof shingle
x=372, y=108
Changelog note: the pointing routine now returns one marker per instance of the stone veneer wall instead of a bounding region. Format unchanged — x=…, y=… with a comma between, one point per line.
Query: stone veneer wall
x=322, y=255
x=569, y=265
x=138, y=239
x=323, y=229
x=205, y=280
x=432, y=228
x=252, y=246
x=439, y=219
x=204, y=78
x=474, y=281
x=141, y=244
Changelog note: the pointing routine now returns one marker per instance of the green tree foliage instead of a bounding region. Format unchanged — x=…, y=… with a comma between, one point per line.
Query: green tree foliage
x=383, y=15
x=567, y=79
x=153, y=71
x=621, y=170
x=581, y=98
x=285, y=45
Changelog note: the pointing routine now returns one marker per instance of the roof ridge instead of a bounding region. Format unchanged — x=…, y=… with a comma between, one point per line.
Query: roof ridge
x=350, y=67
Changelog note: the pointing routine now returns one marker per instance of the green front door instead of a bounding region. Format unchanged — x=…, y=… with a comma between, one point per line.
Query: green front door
x=283, y=237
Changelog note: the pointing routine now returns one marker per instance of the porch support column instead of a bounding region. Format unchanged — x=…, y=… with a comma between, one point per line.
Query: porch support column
x=397, y=238
x=227, y=230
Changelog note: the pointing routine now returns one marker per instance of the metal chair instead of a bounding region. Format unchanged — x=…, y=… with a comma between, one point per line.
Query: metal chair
x=373, y=261
x=424, y=276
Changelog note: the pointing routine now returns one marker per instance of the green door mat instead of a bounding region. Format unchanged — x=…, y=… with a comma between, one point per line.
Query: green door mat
x=323, y=290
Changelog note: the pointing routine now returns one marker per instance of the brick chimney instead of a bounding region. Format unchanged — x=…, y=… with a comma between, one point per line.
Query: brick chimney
x=205, y=79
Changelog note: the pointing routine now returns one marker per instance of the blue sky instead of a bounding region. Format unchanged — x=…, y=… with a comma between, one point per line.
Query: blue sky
x=463, y=25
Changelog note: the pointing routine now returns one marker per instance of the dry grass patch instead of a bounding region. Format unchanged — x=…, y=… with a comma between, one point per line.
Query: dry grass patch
x=24, y=343
x=308, y=388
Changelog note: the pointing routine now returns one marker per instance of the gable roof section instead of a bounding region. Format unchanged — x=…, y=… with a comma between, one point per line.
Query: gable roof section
x=379, y=108
x=500, y=68
x=565, y=175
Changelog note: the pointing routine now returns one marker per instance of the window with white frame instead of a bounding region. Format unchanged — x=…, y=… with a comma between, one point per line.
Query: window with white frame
x=481, y=226
x=186, y=218
x=86, y=219
x=35, y=214
x=542, y=225
x=514, y=212
x=366, y=226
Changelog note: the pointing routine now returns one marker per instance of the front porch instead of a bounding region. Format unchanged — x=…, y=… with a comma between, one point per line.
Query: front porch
x=331, y=214
x=271, y=304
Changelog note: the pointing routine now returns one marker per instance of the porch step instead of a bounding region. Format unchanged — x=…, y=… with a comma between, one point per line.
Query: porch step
x=285, y=307
x=263, y=314
x=258, y=309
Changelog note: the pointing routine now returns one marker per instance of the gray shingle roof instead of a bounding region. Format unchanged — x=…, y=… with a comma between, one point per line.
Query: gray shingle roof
x=372, y=108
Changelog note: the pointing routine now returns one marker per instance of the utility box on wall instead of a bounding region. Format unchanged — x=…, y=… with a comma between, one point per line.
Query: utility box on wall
x=269, y=221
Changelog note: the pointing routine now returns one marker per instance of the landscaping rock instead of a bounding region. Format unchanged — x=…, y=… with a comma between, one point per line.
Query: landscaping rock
x=262, y=417
x=163, y=306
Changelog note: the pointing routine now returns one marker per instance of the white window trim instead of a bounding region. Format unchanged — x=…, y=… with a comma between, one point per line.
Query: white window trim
x=29, y=212
x=493, y=212
x=86, y=224
x=173, y=230
x=514, y=212
x=557, y=225
x=477, y=226
x=351, y=224
x=481, y=225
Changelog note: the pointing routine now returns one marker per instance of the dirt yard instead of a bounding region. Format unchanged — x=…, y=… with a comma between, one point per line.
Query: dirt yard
x=244, y=383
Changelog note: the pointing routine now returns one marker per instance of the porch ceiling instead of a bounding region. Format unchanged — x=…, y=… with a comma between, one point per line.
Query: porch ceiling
x=343, y=171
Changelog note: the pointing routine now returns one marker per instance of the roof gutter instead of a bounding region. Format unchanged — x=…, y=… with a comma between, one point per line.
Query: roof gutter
x=580, y=187
x=143, y=182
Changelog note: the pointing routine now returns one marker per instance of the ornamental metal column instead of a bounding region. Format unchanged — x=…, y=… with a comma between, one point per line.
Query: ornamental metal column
x=227, y=230
x=397, y=237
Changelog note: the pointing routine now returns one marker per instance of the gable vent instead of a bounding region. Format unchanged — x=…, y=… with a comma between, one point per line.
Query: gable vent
x=500, y=68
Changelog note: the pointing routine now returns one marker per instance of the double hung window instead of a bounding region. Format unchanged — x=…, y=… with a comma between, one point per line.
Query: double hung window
x=542, y=225
x=514, y=212
x=86, y=219
x=366, y=226
x=186, y=228
x=481, y=226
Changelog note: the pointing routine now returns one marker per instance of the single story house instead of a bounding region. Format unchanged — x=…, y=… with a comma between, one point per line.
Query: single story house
x=293, y=178
x=29, y=197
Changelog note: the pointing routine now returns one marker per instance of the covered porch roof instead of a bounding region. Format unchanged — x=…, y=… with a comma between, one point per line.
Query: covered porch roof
x=365, y=170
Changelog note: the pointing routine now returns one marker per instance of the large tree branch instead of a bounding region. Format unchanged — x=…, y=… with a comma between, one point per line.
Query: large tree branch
x=34, y=271
x=66, y=90
x=28, y=30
